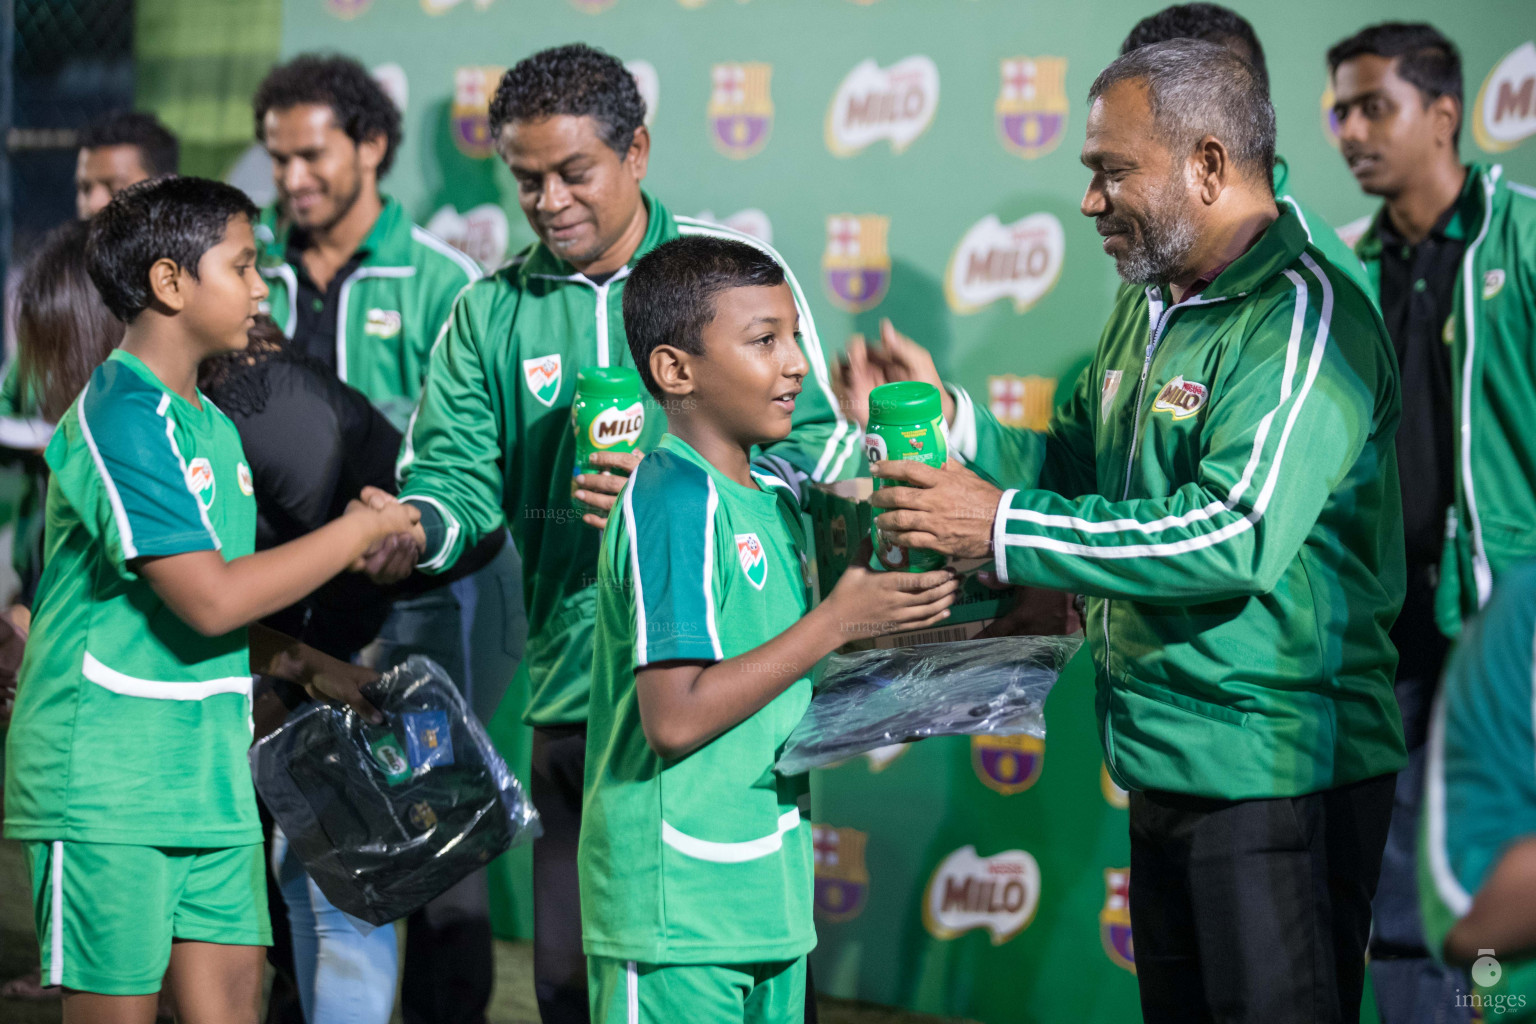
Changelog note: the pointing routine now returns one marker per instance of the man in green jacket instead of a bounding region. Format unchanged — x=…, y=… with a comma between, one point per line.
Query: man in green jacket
x=1222, y=485
x=358, y=287
x=1452, y=259
x=492, y=442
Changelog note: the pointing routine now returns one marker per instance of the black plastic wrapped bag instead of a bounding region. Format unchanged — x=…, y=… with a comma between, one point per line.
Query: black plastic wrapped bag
x=386, y=817
x=995, y=686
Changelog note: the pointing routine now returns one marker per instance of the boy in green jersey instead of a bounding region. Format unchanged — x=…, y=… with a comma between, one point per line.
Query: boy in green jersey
x=694, y=862
x=126, y=773
x=1477, y=841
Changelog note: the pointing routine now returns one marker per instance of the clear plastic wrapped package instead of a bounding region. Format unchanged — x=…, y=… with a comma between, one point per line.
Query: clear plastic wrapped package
x=386, y=817
x=875, y=698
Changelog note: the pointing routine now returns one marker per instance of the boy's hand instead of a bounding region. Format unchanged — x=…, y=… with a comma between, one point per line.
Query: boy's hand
x=601, y=490
x=390, y=559
x=870, y=603
x=13, y=642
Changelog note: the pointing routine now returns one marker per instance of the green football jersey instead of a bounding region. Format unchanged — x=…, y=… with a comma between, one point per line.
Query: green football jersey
x=1480, y=775
x=131, y=727
x=704, y=859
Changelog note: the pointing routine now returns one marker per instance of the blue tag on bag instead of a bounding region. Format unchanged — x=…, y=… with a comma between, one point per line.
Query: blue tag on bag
x=427, y=740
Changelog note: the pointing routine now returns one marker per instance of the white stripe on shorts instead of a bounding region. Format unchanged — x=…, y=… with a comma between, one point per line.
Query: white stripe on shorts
x=56, y=925
x=632, y=990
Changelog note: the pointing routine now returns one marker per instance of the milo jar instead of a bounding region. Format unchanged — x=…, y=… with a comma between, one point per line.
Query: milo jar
x=608, y=416
x=906, y=423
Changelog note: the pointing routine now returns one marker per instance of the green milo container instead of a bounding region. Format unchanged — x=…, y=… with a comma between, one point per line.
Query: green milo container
x=607, y=416
x=906, y=423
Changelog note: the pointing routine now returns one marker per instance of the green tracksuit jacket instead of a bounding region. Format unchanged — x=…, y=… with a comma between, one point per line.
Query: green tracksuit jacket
x=1492, y=334
x=1222, y=484
x=491, y=441
x=390, y=309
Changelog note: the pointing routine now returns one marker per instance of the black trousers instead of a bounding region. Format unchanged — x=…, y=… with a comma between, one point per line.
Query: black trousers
x=559, y=966
x=1255, y=910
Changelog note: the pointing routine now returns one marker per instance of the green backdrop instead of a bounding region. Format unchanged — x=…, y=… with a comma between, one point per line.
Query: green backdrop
x=914, y=159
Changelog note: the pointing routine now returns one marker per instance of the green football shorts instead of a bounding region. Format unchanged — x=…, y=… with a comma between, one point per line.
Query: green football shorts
x=626, y=992
x=106, y=914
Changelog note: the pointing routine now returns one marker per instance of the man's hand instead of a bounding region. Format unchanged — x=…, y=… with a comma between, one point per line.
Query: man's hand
x=601, y=490
x=391, y=559
x=864, y=367
x=949, y=510
x=324, y=677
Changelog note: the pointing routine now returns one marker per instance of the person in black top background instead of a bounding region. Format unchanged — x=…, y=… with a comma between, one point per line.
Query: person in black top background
x=1398, y=94
x=311, y=442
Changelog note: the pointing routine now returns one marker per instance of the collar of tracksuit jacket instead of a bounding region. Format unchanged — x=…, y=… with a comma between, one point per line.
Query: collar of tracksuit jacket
x=386, y=250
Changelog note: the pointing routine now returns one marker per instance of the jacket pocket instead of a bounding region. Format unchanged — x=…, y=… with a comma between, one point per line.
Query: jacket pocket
x=1163, y=695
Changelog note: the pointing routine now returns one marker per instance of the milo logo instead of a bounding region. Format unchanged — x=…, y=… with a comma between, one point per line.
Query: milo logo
x=1183, y=398
x=200, y=481
x=617, y=426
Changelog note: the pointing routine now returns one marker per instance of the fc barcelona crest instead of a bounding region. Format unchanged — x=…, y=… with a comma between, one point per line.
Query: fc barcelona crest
x=857, y=265
x=842, y=880
x=1008, y=764
x=470, y=114
x=1032, y=105
x=1115, y=918
x=740, y=109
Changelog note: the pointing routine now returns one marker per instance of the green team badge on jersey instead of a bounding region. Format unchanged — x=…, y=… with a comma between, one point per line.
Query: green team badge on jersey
x=542, y=375
x=200, y=481
x=754, y=560
x=382, y=323
x=389, y=753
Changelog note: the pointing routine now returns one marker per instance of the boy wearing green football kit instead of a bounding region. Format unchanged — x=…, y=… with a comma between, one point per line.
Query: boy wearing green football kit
x=126, y=769
x=492, y=443
x=695, y=863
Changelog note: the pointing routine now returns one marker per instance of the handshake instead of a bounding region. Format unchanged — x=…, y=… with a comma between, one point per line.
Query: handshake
x=399, y=539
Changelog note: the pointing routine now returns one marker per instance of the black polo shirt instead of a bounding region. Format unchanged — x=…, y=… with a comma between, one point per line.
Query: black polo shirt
x=316, y=309
x=1418, y=289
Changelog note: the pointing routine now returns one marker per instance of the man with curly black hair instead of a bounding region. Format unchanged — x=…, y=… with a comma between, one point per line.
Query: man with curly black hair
x=361, y=289
x=119, y=150
x=492, y=443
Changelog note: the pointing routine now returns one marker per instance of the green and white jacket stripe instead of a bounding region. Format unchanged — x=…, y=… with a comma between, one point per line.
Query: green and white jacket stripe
x=1222, y=483
x=1492, y=334
x=491, y=440
x=389, y=310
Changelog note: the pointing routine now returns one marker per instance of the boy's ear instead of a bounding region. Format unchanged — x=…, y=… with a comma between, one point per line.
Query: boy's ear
x=672, y=370
x=168, y=284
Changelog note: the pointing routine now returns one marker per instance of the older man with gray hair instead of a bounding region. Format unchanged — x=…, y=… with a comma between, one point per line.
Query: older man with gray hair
x=1222, y=484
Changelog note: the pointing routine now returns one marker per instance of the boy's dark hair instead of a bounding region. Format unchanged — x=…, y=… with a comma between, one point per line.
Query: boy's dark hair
x=670, y=296
x=164, y=218
x=1425, y=59
x=363, y=109
x=159, y=151
x=576, y=80
x=1211, y=22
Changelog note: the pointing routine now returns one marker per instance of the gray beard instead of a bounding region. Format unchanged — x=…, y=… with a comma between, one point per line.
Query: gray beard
x=1162, y=252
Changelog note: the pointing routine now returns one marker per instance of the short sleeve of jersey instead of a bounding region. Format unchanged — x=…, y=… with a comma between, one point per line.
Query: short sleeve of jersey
x=669, y=513
x=122, y=472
